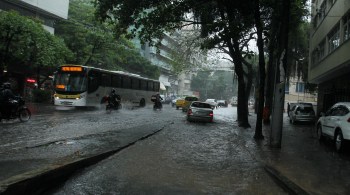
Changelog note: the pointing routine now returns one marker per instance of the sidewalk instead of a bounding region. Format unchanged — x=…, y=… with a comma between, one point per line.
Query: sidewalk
x=302, y=163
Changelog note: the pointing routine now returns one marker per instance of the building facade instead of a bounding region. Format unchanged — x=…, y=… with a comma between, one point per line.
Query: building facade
x=329, y=61
x=47, y=10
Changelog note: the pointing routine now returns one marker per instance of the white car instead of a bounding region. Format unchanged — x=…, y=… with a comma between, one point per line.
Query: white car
x=335, y=123
x=212, y=102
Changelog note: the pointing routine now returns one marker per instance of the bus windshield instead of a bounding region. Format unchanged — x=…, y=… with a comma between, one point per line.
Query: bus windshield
x=70, y=82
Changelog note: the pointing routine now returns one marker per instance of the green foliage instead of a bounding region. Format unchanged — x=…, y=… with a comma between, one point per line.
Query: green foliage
x=94, y=44
x=216, y=85
x=24, y=41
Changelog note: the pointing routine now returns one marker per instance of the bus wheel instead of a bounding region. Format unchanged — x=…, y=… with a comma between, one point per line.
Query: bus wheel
x=142, y=103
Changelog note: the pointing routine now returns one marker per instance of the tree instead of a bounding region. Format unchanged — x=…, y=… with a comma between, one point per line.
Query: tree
x=93, y=43
x=213, y=84
x=24, y=42
x=222, y=23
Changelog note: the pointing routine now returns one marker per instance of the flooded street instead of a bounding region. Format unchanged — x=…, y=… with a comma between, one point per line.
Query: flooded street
x=184, y=158
x=160, y=152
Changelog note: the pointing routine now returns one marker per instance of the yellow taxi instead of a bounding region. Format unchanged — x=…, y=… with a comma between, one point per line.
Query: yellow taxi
x=187, y=102
x=179, y=102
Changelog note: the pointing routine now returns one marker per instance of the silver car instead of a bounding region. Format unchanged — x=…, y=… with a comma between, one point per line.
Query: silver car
x=302, y=112
x=200, y=111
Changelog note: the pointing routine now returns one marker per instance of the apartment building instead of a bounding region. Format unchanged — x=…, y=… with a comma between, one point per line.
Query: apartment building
x=329, y=61
x=47, y=10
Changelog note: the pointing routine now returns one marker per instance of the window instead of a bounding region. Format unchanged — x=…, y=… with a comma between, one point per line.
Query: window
x=299, y=87
x=143, y=85
x=94, y=81
x=333, y=39
x=106, y=80
x=156, y=86
x=346, y=24
x=135, y=83
x=126, y=82
x=322, y=12
x=117, y=81
x=286, y=91
x=321, y=52
x=150, y=86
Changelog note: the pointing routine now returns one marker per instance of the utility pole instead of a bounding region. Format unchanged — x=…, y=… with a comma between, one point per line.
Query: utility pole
x=280, y=74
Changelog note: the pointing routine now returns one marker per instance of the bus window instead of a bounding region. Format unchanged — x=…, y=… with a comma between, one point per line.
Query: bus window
x=106, y=80
x=150, y=85
x=135, y=83
x=143, y=85
x=156, y=86
x=126, y=82
x=94, y=80
x=116, y=81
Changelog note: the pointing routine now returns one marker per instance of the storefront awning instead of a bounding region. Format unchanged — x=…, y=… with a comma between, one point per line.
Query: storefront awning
x=162, y=86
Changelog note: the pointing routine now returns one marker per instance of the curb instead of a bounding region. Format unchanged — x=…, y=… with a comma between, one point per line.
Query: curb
x=41, y=181
x=284, y=182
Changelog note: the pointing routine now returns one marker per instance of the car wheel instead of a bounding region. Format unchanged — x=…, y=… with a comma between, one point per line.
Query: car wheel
x=339, y=141
x=177, y=107
x=319, y=132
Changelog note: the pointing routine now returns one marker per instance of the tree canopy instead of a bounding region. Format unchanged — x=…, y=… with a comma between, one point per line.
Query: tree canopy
x=93, y=43
x=25, y=42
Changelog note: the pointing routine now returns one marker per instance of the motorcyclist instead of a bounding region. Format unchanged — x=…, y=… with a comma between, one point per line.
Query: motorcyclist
x=6, y=95
x=114, y=98
x=158, y=102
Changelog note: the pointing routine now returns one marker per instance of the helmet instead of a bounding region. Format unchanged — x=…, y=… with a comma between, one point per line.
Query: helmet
x=6, y=85
x=113, y=91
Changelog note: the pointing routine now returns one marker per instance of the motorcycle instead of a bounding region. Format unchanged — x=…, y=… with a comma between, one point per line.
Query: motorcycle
x=111, y=105
x=157, y=105
x=19, y=110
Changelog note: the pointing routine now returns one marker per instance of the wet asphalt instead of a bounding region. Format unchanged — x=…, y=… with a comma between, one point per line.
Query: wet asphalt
x=181, y=158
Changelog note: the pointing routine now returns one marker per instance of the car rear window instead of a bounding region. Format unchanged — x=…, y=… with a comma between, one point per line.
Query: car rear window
x=306, y=109
x=200, y=105
x=191, y=99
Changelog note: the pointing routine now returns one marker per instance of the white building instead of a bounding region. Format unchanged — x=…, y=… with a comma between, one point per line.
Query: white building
x=47, y=10
x=329, y=59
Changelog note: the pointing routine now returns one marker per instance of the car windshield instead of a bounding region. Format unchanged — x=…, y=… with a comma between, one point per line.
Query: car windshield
x=70, y=82
x=200, y=105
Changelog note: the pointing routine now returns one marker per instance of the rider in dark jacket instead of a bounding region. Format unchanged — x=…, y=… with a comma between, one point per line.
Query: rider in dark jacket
x=158, y=101
x=114, y=98
x=6, y=95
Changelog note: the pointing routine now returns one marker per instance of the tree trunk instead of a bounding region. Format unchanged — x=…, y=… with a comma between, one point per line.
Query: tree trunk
x=242, y=103
x=270, y=80
x=260, y=43
x=277, y=115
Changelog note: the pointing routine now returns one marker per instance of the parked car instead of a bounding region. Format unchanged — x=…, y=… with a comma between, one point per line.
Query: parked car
x=335, y=123
x=234, y=101
x=188, y=101
x=212, y=102
x=167, y=100
x=302, y=112
x=222, y=103
x=200, y=111
x=163, y=98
